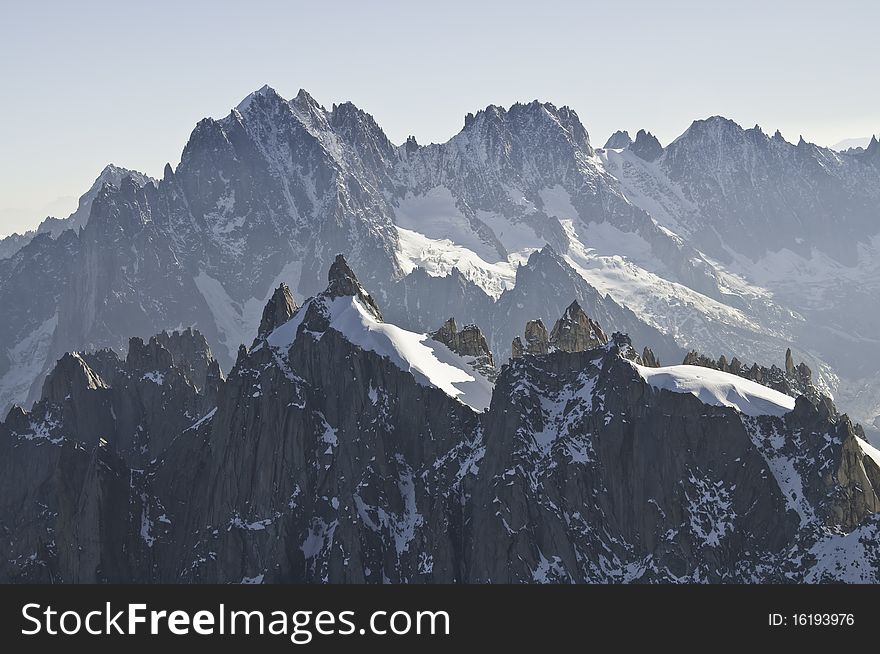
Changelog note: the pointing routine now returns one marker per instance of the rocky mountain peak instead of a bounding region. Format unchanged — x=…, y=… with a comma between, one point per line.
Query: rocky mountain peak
x=70, y=377
x=646, y=146
x=789, y=362
x=263, y=92
x=469, y=341
x=359, y=129
x=709, y=132
x=573, y=332
x=192, y=356
x=618, y=141
x=278, y=310
x=537, y=340
x=872, y=151
x=347, y=113
x=111, y=176
x=543, y=258
x=149, y=356
x=649, y=358
x=307, y=107
x=207, y=138
x=186, y=351
x=576, y=332
x=343, y=282
x=528, y=122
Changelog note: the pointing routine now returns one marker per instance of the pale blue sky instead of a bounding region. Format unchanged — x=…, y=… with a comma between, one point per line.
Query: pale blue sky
x=87, y=83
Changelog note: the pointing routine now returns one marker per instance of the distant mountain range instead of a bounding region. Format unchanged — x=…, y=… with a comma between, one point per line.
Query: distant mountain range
x=727, y=241
x=847, y=144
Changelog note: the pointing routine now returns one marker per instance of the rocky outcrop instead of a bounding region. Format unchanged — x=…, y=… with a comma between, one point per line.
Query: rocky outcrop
x=71, y=376
x=342, y=282
x=793, y=380
x=646, y=146
x=537, y=341
x=56, y=226
x=192, y=355
x=278, y=310
x=545, y=286
x=137, y=405
x=469, y=342
x=618, y=141
x=609, y=453
x=573, y=332
x=649, y=359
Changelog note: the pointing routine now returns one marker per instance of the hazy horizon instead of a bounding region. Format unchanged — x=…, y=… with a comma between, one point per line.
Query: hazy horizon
x=90, y=85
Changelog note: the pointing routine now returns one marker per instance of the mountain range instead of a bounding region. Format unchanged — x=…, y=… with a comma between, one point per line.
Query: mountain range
x=549, y=365
x=727, y=241
x=342, y=448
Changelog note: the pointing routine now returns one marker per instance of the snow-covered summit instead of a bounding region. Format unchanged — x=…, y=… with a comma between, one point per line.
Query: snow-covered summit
x=261, y=92
x=345, y=307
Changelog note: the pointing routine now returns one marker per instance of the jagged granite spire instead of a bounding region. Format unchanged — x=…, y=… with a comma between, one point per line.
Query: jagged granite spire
x=469, y=342
x=618, y=141
x=575, y=331
x=872, y=151
x=649, y=358
x=343, y=282
x=149, y=356
x=646, y=146
x=70, y=377
x=278, y=310
x=537, y=341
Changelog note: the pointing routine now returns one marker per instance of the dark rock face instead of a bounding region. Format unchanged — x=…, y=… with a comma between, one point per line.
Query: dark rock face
x=137, y=405
x=192, y=355
x=469, y=342
x=618, y=141
x=537, y=341
x=646, y=146
x=606, y=484
x=573, y=332
x=278, y=311
x=649, y=359
x=317, y=460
